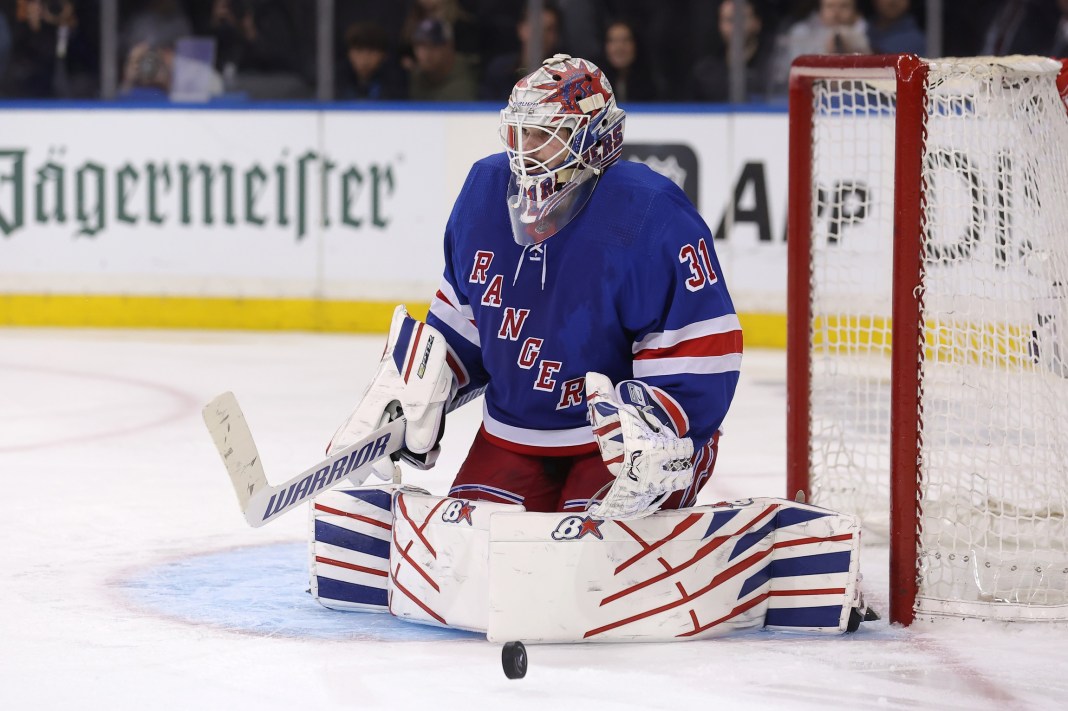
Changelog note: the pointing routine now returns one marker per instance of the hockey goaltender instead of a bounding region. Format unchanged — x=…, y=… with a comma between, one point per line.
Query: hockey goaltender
x=607, y=368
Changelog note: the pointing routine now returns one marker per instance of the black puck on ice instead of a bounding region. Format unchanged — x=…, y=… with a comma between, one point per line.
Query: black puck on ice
x=514, y=660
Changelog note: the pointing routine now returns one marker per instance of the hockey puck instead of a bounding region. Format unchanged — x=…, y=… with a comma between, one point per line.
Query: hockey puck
x=514, y=660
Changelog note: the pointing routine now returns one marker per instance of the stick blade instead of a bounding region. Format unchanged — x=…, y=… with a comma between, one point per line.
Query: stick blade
x=232, y=437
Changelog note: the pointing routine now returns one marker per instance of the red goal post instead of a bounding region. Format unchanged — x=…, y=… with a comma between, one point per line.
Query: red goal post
x=925, y=201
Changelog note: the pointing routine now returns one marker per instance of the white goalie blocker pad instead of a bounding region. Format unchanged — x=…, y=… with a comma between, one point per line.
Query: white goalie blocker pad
x=349, y=548
x=414, y=378
x=677, y=575
x=439, y=559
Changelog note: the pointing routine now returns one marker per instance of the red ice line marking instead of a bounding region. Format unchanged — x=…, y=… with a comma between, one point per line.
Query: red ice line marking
x=350, y=566
x=187, y=404
x=972, y=675
x=358, y=517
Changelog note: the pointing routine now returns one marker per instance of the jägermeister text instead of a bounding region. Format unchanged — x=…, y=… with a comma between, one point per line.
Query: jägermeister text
x=299, y=191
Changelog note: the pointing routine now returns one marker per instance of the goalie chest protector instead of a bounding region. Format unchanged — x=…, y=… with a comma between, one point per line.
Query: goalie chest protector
x=631, y=287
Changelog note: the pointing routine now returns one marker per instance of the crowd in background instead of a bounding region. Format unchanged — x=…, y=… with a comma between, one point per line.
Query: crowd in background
x=475, y=50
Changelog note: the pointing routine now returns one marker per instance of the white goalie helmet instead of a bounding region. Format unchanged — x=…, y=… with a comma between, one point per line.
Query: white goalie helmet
x=562, y=129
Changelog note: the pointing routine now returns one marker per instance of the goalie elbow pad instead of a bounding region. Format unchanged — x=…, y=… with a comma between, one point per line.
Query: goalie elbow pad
x=414, y=380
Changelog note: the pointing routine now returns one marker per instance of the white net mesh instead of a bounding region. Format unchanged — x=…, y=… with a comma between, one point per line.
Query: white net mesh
x=993, y=481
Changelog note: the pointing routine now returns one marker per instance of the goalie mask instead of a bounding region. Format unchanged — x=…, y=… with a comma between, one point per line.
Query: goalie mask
x=562, y=129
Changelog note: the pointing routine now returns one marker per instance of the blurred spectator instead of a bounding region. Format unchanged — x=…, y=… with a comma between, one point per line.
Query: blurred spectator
x=390, y=16
x=147, y=72
x=966, y=24
x=51, y=57
x=258, y=53
x=583, y=27
x=496, y=23
x=784, y=14
x=464, y=29
x=1021, y=27
x=369, y=72
x=194, y=78
x=710, y=78
x=265, y=48
x=440, y=73
x=836, y=27
x=675, y=33
x=158, y=23
x=1060, y=42
x=626, y=66
x=5, y=45
x=893, y=29
x=504, y=71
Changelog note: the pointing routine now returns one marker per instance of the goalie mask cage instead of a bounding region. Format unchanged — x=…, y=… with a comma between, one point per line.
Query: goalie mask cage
x=927, y=322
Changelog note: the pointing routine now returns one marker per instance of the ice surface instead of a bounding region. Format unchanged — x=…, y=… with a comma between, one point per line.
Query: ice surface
x=130, y=580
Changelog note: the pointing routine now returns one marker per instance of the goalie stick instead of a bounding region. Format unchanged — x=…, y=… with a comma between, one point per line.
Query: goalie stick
x=260, y=502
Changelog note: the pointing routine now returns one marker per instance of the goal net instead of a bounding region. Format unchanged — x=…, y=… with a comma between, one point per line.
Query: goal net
x=928, y=322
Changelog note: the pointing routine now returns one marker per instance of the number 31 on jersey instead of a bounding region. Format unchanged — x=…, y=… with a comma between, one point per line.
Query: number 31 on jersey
x=700, y=265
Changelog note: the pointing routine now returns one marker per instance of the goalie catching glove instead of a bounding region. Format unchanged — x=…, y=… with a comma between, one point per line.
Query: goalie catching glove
x=413, y=380
x=638, y=429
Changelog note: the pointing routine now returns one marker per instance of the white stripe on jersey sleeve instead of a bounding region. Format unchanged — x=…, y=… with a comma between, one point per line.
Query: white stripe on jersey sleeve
x=456, y=315
x=465, y=310
x=535, y=438
x=666, y=339
x=709, y=365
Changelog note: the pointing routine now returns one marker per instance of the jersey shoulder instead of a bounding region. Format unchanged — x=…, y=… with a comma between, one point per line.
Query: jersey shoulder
x=483, y=196
x=492, y=168
x=629, y=176
x=641, y=208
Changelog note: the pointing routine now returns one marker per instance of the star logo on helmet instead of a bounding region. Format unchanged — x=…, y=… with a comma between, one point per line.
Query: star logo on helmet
x=574, y=84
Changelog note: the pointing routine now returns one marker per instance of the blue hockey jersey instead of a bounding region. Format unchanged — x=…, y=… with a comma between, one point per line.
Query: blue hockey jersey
x=631, y=288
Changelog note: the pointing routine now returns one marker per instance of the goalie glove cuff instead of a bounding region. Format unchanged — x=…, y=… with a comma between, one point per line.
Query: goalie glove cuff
x=414, y=380
x=656, y=407
x=637, y=434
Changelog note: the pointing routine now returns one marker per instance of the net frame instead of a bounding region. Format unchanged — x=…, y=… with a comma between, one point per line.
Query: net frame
x=909, y=74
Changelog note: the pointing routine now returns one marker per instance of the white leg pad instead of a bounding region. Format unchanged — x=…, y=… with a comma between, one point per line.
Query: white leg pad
x=349, y=550
x=690, y=574
x=439, y=560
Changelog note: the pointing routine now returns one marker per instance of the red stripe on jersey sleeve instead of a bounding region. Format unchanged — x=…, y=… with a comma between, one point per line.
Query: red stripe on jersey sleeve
x=441, y=297
x=458, y=370
x=716, y=344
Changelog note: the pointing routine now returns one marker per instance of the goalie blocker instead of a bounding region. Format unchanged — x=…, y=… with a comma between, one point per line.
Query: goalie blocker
x=558, y=577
